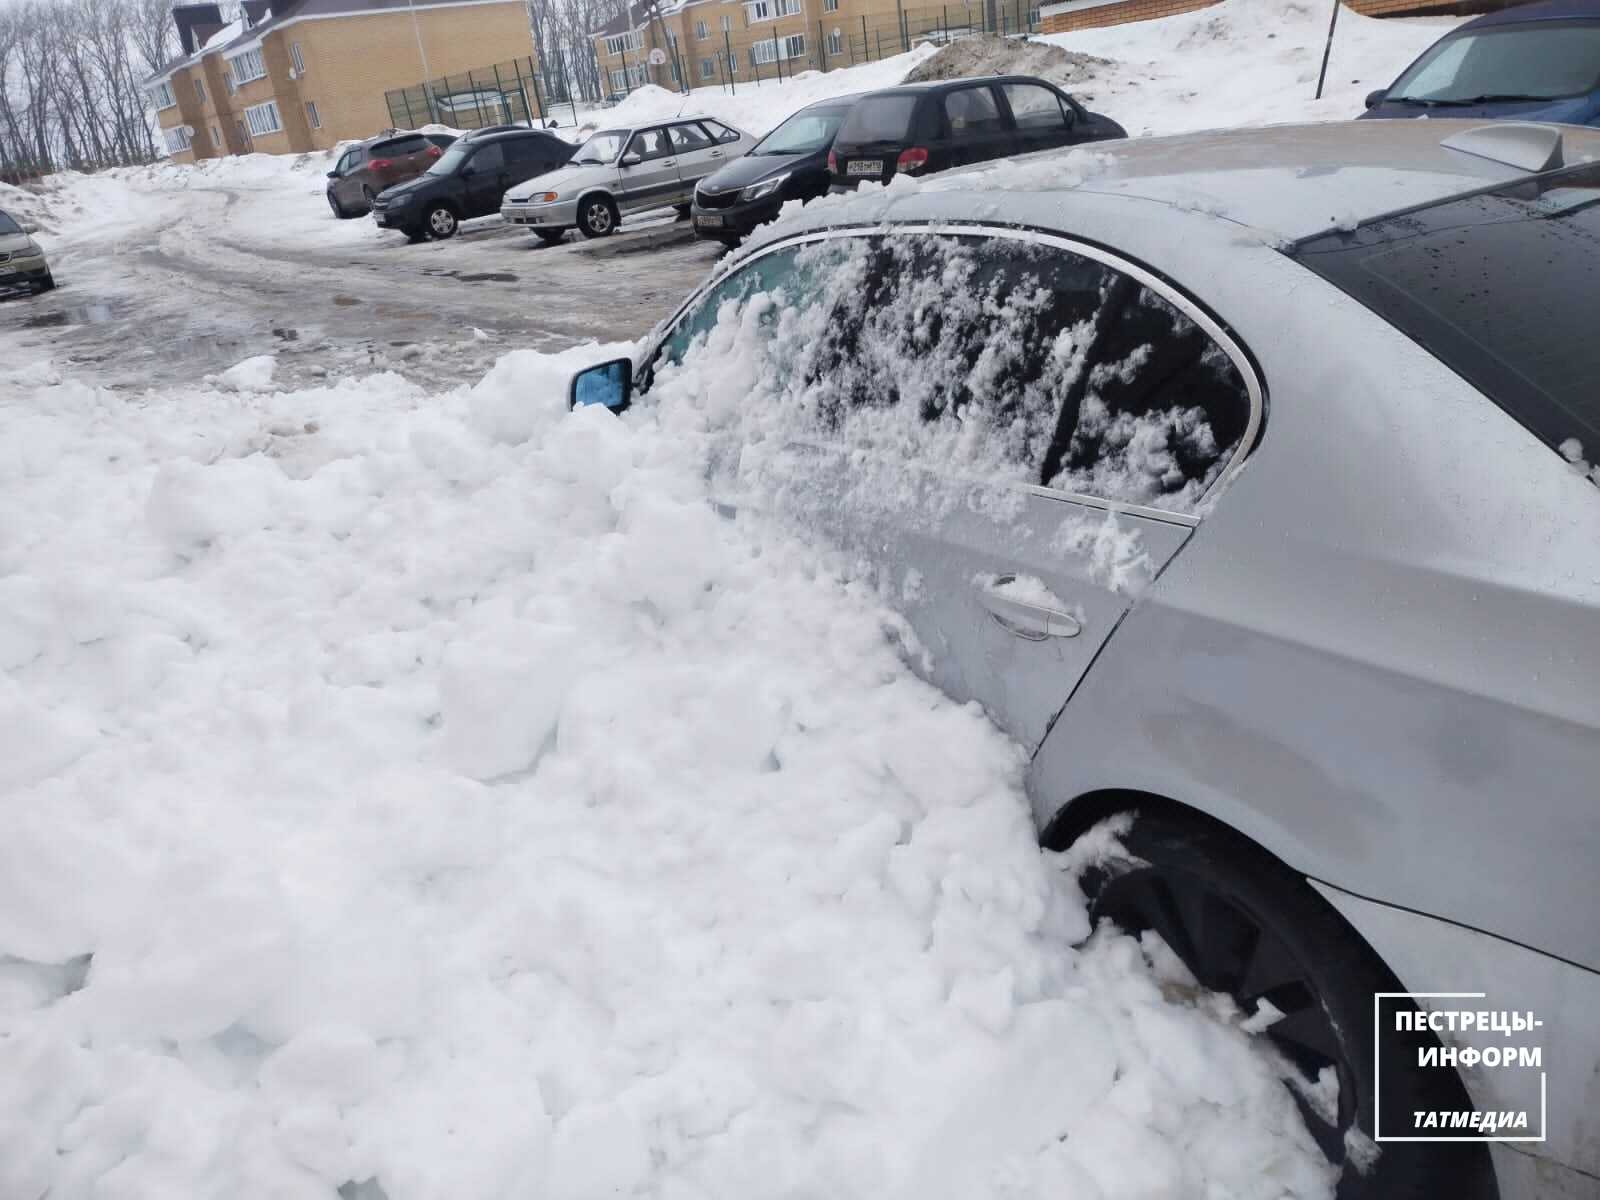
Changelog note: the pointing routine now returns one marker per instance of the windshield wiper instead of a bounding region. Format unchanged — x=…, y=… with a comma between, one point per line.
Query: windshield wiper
x=1467, y=101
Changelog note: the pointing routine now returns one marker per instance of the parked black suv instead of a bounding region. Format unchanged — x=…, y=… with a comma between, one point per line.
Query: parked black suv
x=925, y=127
x=790, y=163
x=468, y=181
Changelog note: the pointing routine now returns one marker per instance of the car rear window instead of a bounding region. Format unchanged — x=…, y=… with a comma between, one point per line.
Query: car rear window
x=879, y=119
x=404, y=145
x=1497, y=286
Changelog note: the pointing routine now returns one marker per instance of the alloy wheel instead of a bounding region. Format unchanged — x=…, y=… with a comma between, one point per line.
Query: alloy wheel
x=599, y=216
x=1228, y=950
x=441, y=222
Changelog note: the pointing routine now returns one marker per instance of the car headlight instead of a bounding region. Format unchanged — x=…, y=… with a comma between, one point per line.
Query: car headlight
x=766, y=187
x=544, y=198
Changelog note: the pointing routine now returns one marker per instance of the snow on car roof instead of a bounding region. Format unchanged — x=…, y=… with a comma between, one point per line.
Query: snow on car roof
x=1286, y=181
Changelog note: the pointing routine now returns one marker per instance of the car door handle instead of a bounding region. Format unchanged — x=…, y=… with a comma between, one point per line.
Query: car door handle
x=1026, y=618
x=716, y=154
x=671, y=162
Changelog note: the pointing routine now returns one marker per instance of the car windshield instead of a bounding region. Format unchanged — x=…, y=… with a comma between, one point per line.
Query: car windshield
x=1539, y=60
x=448, y=162
x=603, y=147
x=803, y=133
x=7, y=225
x=1496, y=287
x=878, y=119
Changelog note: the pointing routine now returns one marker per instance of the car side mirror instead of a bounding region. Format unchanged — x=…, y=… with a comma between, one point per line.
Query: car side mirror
x=28, y=227
x=610, y=384
x=630, y=160
x=1378, y=97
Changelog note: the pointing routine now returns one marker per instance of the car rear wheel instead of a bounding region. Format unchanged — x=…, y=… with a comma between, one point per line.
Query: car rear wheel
x=338, y=209
x=367, y=196
x=597, y=217
x=441, y=222
x=550, y=236
x=1245, y=924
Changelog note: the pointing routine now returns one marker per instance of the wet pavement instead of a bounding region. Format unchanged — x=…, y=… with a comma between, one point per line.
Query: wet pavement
x=173, y=305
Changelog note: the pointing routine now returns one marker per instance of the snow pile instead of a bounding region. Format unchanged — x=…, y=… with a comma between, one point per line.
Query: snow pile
x=435, y=791
x=988, y=54
x=1244, y=62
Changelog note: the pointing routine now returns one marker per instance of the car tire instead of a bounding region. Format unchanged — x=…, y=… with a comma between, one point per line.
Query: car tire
x=597, y=216
x=550, y=237
x=367, y=196
x=1266, y=933
x=338, y=209
x=47, y=284
x=683, y=211
x=441, y=222
x=731, y=242
x=414, y=236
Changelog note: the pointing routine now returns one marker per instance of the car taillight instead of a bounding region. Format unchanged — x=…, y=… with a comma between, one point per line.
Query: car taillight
x=383, y=164
x=433, y=152
x=911, y=160
x=833, y=162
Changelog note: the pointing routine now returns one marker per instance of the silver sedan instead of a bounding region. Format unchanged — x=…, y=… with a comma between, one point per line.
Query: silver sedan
x=1248, y=481
x=622, y=171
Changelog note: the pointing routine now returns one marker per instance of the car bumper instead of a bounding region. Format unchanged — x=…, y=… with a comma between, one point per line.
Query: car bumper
x=23, y=272
x=395, y=218
x=563, y=214
x=737, y=221
x=1430, y=955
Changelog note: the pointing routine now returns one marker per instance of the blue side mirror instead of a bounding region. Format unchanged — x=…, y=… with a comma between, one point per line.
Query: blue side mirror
x=609, y=384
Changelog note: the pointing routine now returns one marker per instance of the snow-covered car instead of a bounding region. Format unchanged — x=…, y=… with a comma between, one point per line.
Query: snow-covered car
x=626, y=170
x=1244, y=479
x=22, y=260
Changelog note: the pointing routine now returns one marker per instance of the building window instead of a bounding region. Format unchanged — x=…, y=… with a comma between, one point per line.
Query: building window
x=177, y=139
x=619, y=80
x=247, y=66
x=761, y=10
x=835, y=44
x=300, y=63
x=676, y=78
x=216, y=138
x=200, y=89
x=227, y=80
x=263, y=118
x=767, y=50
x=312, y=118
x=162, y=95
x=672, y=41
x=701, y=31
x=708, y=68
x=623, y=42
x=727, y=23
x=830, y=5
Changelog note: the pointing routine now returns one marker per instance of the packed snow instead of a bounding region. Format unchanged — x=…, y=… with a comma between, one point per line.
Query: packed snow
x=432, y=794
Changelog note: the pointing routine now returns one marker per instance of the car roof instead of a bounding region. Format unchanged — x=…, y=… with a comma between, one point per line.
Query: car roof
x=949, y=85
x=1282, y=182
x=1549, y=10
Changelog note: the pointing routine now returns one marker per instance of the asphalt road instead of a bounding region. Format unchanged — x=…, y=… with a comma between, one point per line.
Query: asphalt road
x=175, y=301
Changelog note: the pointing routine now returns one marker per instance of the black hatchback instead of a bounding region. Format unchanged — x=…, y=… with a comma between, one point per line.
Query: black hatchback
x=468, y=181
x=919, y=128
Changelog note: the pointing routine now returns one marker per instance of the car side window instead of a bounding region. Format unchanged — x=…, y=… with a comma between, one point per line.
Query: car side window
x=650, y=143
x=972, y=112
x=346, y=163
x=1035, y=107
x=990, y=356
x=689, y=137
x=526, y=150
x=720, y=131
x=488, y=158
x=358, y=157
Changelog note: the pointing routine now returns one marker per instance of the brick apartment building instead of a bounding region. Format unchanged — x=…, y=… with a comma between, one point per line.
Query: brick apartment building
x=313, y=73
x=1067, y=15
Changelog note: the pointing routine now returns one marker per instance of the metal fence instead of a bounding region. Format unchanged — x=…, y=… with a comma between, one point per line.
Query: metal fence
x=828, y=44
x=508, y=93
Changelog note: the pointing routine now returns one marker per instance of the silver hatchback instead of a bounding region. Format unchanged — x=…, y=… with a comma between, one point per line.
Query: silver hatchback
x=621, y=171
x=1245, y=479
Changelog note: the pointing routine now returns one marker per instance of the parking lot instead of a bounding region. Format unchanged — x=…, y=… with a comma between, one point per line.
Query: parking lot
x=173, y=301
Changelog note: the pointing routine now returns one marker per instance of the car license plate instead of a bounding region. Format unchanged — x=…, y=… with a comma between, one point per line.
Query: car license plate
x=864, y=166
x=707, y=221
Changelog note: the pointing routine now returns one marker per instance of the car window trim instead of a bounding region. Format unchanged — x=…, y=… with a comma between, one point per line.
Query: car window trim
x=1168, y=291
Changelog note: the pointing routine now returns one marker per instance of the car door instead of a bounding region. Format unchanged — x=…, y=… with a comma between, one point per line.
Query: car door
x=697, y=152
x=484, y=180
x=975, y=128
x=1041, y=116
x=1011, y=434
x=647, y=173
x=350, y=181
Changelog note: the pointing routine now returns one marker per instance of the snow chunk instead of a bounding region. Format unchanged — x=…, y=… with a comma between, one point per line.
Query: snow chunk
x=251, y=375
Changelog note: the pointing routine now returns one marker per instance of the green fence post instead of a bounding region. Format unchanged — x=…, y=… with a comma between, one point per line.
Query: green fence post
x=900, y=20
x=878, y=36
x=733, y=86
x=411, y=122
